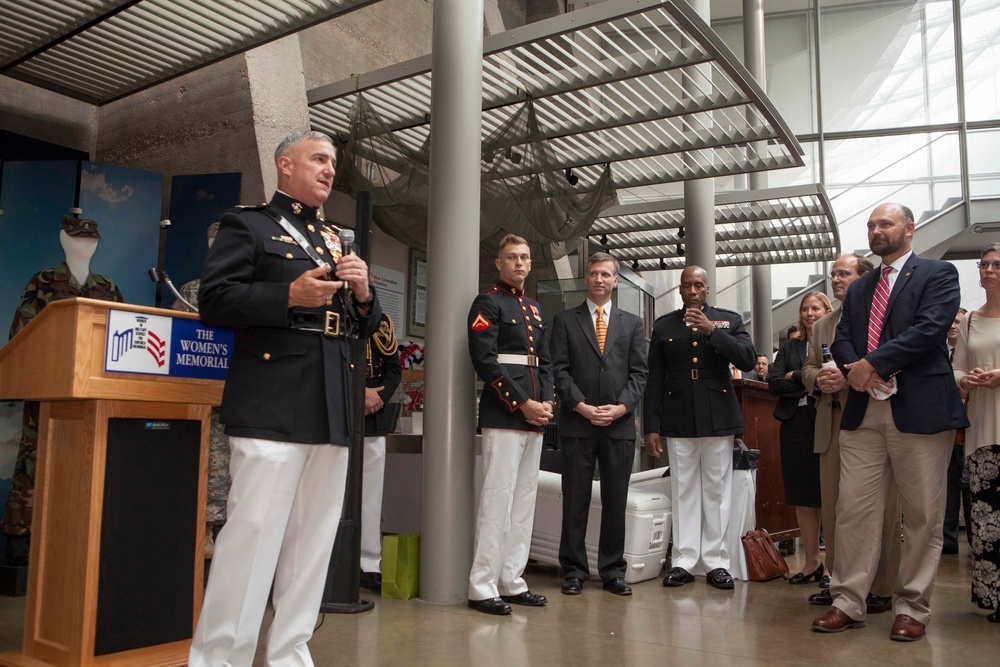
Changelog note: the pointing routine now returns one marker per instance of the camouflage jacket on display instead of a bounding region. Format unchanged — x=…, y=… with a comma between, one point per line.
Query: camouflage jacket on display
x=57, y=284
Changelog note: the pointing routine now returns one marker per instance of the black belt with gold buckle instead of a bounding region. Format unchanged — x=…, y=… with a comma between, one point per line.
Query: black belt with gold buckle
x=330, y=324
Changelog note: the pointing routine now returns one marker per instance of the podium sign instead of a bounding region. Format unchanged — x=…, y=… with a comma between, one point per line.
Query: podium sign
x=159, y=345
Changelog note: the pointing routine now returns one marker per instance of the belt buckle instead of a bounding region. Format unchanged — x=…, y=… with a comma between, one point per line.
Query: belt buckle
x=694, y=373
x=332, y=330
x=532, y=360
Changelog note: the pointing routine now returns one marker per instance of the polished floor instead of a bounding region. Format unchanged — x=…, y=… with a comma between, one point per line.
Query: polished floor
x=757, y=624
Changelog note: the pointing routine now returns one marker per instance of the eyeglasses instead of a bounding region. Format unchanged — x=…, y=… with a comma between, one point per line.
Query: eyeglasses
x=989, y=265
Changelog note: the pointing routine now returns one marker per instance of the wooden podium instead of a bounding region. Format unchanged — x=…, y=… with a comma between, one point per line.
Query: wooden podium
x=116, y=567
x=762, y=431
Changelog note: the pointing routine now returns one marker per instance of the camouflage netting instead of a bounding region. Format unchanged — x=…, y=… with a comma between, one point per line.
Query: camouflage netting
x=523, y=192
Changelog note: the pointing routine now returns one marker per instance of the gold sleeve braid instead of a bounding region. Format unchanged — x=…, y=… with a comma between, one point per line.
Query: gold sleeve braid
x=384, y=340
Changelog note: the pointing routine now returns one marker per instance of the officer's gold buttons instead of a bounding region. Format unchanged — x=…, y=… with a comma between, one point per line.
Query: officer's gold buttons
x=320, y=250
x=670, y=340
x=724, y=391
x=513, y=402
x=694, y=344
x=530, y=328
x=695, y=360
x=267, y=356
x=531, y=349
x=499, y=384
x=352, y=367
x=288, y=255
x=513, y=321
x=310, y=228
x=506, y=393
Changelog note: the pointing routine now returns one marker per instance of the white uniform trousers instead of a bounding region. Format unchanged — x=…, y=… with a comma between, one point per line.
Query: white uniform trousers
x=373, y=474
x=283, y=511
x=506, y=512
x=701, y=491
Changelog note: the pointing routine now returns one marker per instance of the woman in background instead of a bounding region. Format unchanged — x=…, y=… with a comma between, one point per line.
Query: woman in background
x=797, y=413
x=977, y=371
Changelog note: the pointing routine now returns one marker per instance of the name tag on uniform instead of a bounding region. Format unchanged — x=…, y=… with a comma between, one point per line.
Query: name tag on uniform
x=720, y=324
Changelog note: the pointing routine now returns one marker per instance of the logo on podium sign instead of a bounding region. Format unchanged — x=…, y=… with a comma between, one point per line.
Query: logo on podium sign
x=159, y=345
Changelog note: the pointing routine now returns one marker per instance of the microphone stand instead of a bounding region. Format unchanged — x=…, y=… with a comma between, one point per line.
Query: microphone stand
x=342, y=593
x=158, y=276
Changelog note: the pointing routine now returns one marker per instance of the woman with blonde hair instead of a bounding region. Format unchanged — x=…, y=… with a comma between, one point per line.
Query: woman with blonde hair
x=797, y=412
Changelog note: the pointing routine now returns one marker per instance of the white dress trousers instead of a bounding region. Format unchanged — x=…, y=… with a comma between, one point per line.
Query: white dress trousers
x=506, y=512
x=701, y=490
x=283, y=511
x=373, y=474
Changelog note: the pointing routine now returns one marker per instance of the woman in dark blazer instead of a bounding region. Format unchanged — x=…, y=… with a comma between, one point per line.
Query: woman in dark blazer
x=796, y=411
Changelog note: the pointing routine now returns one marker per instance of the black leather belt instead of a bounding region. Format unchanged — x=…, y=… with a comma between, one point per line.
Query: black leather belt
x=327, y=323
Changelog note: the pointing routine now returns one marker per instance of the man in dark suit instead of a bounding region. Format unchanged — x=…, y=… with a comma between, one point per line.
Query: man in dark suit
x=760, y=369
x=508, y=343
x=286, y=406
x=599, y=361
x=832, y=384
x=899, y=423
x=690, y=400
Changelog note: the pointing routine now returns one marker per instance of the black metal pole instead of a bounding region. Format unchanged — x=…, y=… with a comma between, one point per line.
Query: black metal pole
x=342, y=594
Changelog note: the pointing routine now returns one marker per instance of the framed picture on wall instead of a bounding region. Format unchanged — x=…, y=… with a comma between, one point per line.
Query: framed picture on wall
x=417, y=305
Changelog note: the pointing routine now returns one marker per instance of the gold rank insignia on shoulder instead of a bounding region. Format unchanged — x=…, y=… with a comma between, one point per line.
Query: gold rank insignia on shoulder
x=332, y=243
x=296, y=207
x=720, y=324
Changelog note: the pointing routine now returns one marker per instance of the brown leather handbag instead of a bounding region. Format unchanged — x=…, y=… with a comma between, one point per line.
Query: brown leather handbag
x=763, y=560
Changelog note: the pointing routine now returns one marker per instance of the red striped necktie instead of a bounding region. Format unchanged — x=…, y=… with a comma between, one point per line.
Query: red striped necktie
x=880, y=301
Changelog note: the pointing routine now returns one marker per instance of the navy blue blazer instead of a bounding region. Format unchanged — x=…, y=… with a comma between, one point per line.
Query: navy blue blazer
x=912, y=347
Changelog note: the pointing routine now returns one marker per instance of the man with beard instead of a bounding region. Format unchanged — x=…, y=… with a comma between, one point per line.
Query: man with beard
x=899, y=423
x=690, y=401
x=832, y=383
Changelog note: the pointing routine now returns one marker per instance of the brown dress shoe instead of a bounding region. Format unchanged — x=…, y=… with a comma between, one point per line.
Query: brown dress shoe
x=835, y=621
x=906, y=629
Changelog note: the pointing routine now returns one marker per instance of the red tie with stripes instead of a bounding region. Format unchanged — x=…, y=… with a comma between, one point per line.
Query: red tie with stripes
x=880, y=301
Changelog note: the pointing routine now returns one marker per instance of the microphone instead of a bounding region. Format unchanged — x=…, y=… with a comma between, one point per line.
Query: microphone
x=158, y=276
x=346, y=237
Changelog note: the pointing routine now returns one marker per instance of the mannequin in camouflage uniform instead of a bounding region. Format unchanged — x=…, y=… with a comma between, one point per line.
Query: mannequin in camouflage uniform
x=219, y=480
x=72, y=278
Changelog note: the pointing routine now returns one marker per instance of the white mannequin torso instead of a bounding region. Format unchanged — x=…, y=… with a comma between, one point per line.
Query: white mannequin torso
x=79, y=251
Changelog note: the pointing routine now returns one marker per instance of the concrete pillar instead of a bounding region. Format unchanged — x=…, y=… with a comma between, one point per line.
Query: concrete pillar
x=760, y=274
x=699, y=195
x=278, y=98
x=453, y=237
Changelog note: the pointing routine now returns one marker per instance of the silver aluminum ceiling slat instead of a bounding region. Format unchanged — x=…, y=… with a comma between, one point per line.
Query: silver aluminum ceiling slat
x=774, y=226
x=133, y=44
x=619, y=83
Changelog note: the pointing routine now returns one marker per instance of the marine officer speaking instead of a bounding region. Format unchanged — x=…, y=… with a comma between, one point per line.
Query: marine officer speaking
x=509, y=348
x=690, y=401
x=286, y=406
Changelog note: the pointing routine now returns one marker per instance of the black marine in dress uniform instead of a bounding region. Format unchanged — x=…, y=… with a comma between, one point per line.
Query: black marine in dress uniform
x=286, y=406
x=690, y=400
x=509, y=348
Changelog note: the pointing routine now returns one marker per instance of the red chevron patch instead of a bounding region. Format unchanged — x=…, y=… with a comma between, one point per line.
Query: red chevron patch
x=480, y=323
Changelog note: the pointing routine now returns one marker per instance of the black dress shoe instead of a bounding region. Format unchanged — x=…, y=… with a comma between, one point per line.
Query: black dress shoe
x=824, y=582
x=677, y=576
x=877, y=605
x=804, y=578
x=372, y=581
x=618, y=587
x=822, y=598
x=720, y=579
x=949, y=550
x=491, y=606
x=527, y=599
x=572, y=586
